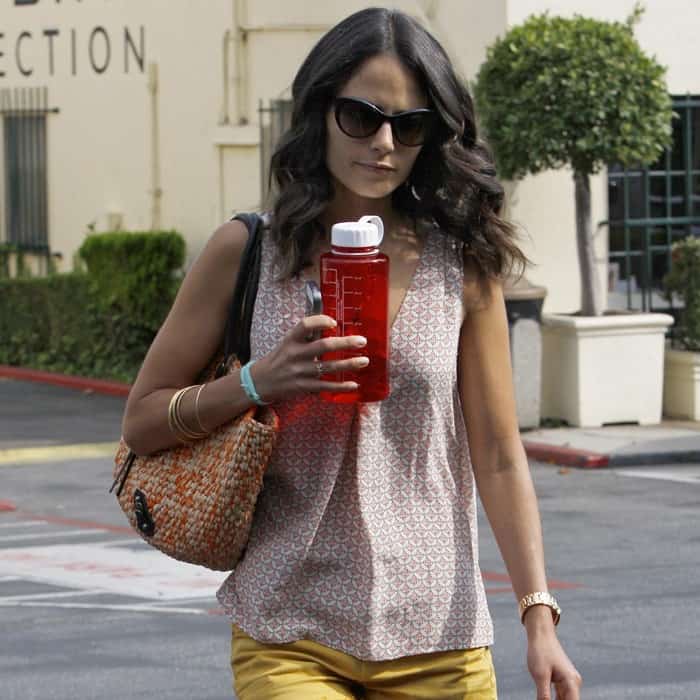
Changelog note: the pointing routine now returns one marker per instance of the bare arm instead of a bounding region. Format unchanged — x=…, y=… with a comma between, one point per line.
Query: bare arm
x=499, y=460
x=184, y=345
x=503, y=476
x=192, y=333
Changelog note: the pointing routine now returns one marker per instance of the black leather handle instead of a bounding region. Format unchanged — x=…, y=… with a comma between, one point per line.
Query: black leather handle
x=240, y=318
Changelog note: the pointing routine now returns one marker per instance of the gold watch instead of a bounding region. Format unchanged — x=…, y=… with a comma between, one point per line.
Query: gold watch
x=539, y=598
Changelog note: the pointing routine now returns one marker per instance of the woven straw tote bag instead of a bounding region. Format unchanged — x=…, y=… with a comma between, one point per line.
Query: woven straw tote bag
x=195, y=502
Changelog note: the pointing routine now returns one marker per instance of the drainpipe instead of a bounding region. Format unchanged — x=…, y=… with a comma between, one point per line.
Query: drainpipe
x=241, y=70
x=429, y=8
x=156, y=191
x=235, y=46
x=225, y=118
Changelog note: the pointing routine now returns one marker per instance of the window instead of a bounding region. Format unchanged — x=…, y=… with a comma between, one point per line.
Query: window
x=650, y=209
x=25, y=173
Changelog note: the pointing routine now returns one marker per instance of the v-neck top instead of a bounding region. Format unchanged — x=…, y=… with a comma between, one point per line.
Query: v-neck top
x=365, y=532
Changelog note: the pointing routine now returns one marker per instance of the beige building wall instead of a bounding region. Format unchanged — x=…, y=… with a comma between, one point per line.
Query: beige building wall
x=102, y=141
x=157, y=121
x=175, y=109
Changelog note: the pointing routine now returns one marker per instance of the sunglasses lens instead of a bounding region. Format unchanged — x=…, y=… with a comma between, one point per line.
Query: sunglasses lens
x=412, y=129
x=358, y=120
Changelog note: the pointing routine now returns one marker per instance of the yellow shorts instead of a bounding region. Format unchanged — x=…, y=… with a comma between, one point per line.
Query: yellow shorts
x=306, y=670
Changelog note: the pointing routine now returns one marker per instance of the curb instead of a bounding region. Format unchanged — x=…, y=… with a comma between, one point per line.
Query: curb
x=651, y=458
x=539, y=451
x=565, y=456
x=99, y=386
x=571, y=457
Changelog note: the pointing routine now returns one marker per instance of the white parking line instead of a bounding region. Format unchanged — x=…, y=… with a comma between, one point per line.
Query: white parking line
x=139, y=572
x=42, y=596
x=54, y=533
x=117, y=543
x=123, y=608
x=24, y=523
x=688, y=474
x=185, y=601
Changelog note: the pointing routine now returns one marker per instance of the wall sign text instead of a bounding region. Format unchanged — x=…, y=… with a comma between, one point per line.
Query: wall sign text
x=55, y=51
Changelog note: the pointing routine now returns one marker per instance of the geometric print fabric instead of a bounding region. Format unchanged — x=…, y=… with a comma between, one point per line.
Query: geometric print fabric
x=365, y=533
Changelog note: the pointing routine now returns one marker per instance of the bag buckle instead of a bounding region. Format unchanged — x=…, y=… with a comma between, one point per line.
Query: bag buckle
x=144, y=522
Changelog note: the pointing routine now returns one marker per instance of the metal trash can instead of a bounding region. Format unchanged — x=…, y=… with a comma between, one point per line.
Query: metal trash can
x=524, y=302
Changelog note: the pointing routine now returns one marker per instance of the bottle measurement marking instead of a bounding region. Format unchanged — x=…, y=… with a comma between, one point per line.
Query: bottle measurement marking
x=342, y=290
x=349, y=313
x=344, y=312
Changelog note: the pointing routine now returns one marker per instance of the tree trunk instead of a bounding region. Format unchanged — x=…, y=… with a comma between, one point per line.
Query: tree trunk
x=590, y=291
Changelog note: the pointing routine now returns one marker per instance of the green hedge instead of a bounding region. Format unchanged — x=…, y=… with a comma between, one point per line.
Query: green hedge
x=97, y=323
x=683, y=279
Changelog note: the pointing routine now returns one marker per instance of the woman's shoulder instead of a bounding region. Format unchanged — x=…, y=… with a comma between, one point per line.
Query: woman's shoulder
x=477, y=287
x=230, y=238
x=218, y=262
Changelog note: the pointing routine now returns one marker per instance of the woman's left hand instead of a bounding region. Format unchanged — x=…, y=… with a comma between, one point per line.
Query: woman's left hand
x=549, y=665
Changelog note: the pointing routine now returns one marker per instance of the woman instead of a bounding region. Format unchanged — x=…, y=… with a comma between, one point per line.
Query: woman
x=361, y=576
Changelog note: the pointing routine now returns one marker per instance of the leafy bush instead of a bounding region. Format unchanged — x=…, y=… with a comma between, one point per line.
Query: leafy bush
x=683, y=279
x=97, y=323
x=8, y=251
x=134, y=273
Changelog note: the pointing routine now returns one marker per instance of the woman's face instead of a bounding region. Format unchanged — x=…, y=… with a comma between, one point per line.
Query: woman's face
x=374, y=166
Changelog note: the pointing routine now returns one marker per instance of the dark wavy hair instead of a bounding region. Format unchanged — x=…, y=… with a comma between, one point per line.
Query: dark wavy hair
x=453, y=181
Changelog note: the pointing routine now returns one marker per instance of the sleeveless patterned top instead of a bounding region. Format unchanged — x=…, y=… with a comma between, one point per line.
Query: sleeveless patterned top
x=365, y=533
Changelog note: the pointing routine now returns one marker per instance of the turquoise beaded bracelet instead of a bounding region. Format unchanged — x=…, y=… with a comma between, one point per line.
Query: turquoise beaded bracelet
x=249, y=386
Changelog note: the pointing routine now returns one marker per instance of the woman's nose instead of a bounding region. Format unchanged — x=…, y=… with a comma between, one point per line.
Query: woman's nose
x=383, y=139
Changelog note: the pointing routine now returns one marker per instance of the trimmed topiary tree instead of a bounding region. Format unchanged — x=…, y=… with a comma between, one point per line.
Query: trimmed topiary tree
x=576, y=92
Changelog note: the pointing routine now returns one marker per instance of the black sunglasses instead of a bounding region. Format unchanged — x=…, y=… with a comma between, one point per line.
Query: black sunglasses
x=359, y=119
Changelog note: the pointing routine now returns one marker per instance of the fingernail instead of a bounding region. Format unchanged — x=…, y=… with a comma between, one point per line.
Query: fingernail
x=360, y=341
x=362, y=361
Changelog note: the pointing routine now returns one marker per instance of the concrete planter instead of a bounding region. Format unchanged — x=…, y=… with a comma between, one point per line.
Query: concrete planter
x=682, y=384
x=603, y=369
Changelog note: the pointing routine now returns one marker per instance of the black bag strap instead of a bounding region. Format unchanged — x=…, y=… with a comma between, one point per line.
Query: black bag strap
x=240, y=318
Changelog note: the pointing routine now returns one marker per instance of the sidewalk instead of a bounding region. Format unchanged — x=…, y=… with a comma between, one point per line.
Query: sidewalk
x=670, y=442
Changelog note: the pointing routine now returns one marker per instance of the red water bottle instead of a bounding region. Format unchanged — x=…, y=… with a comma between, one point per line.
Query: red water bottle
x=355, y=291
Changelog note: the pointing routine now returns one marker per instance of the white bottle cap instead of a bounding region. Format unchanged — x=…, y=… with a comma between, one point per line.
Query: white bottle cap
x=368, y=232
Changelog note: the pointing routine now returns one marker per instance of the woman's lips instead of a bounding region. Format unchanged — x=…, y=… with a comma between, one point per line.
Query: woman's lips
x=377, y=168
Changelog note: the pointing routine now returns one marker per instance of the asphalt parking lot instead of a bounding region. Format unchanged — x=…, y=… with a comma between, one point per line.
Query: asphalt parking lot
x=91, y=612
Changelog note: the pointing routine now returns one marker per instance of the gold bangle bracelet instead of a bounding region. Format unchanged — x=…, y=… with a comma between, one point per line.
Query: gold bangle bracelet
x=171, y=416
x=176, y=413
x=180, y=421
x=196, y=410
x=196, y=434
x=539, y=598
x=175, y=421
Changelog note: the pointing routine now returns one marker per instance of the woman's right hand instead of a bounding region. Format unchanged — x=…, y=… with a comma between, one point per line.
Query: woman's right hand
x=292, y=368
